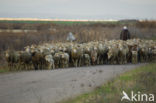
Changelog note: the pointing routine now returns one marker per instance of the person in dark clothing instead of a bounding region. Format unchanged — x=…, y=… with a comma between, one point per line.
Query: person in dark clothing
x=125, y=34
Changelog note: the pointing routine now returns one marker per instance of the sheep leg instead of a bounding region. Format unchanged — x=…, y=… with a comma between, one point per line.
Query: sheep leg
x=98, y=60
x=76, y=62
x=79, y=62
x=53, y=66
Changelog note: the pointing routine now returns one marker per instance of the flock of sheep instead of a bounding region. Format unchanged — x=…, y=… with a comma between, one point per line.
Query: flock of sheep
x=70, y=54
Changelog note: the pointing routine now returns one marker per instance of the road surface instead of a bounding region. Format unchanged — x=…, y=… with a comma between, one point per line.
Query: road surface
x=51, y=86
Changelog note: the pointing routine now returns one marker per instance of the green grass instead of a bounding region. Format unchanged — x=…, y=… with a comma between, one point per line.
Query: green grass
x=23, y=21
x=141, y=79
x=57, y=22
x=4, y=69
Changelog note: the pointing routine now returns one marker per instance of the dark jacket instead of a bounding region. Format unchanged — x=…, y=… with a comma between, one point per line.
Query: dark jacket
x=125, y=34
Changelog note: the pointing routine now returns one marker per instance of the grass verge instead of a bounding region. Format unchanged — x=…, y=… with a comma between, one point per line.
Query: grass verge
x=141, y=79
x=4, y=69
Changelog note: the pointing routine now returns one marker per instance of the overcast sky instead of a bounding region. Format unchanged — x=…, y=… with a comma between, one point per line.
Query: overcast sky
x=79, y=9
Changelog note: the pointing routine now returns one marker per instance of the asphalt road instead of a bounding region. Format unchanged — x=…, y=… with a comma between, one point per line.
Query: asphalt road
x=50, y=86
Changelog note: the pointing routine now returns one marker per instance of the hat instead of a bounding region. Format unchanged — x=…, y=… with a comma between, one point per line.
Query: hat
x=125, y=27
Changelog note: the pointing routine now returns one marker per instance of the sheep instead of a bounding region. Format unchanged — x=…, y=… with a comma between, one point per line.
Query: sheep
x=129, y=54
x=38, y=60
x=12, y=57
x=49, y=62
x=76, y=56
x=123, y=52
x=93, y=56
x=57, y=59
x=92, y=50
x=86, y=60
x=69, y=49
x=64, y=60
x=143, y=53
x=25, y=60
x=113, y=54
x=63, y=55
x=154, y=53
x=134, y=57
x=87, y=49
x=102, y=54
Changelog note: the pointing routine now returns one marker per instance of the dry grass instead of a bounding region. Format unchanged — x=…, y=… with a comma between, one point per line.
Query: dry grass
x=58, y=32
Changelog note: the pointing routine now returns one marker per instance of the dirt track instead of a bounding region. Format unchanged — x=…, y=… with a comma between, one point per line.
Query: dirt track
x=50, y=86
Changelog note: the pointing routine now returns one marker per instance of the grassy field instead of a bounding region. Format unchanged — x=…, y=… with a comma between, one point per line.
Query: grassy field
x=141, y=79
x=57, y=22
x=40, y=22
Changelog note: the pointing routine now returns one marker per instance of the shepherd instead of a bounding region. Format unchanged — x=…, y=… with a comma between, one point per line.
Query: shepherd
x=70, y=37
x=125, y=34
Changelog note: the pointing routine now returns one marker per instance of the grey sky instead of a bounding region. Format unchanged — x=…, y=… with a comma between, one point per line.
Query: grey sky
x=79, y=9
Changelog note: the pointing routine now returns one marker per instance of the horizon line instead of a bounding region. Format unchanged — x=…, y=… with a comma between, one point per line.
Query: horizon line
x=74, y=20
x=38, y=19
